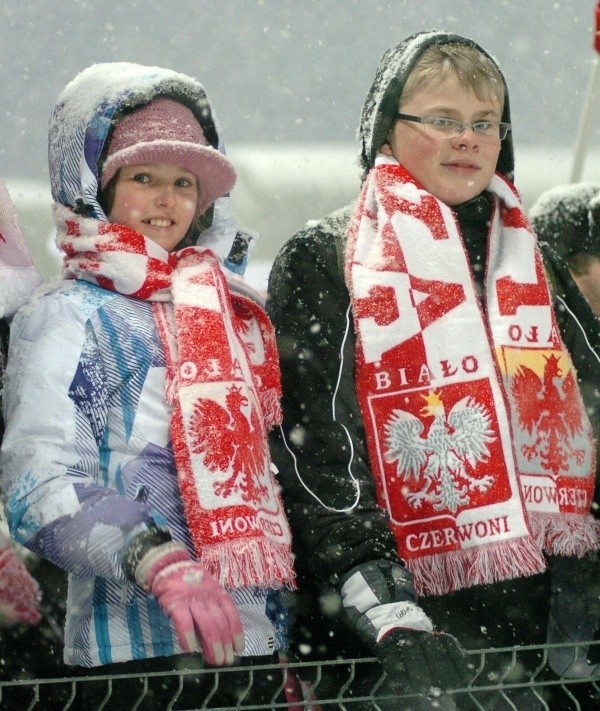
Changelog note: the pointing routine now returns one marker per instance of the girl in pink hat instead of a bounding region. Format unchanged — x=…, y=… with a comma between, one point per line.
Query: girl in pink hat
x=140, y=390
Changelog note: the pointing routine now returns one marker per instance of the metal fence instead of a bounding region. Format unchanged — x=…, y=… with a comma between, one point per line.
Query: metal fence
x=510, y=678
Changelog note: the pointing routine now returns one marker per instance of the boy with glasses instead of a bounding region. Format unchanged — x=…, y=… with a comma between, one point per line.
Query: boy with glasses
x=434, y=439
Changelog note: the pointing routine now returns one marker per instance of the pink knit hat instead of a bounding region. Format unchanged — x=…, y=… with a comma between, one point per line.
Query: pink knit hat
x=165, y=131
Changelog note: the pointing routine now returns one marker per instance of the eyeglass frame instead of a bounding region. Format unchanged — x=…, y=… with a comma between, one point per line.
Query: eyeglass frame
x=459, y=127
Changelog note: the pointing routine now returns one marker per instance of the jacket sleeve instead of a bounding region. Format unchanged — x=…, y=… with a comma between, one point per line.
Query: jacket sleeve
x=56, y=390
x=320, y=449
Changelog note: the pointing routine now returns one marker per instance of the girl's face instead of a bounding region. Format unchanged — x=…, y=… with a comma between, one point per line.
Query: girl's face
x=452, y=167
x=159, y=200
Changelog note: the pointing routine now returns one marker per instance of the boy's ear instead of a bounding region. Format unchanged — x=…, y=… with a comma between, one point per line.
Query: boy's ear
x=386, y=149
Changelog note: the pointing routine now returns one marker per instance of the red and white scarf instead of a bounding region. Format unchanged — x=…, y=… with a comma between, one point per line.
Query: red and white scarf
x=223, y=386
x=476, y=431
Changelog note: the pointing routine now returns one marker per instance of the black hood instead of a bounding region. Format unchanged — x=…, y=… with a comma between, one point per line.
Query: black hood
x=384, y=96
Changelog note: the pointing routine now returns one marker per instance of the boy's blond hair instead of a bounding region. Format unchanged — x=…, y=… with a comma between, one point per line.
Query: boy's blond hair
x=475, y=71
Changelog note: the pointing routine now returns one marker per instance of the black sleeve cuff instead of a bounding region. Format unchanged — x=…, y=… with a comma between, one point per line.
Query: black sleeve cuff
x=140, y=544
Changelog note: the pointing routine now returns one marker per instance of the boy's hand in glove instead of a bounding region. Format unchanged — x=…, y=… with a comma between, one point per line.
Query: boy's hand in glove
x=420, y=661
x=380, y=600
x=201, y=610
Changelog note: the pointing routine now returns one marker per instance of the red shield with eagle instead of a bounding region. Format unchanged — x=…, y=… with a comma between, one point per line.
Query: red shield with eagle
x=441, y=450
x=549, y=426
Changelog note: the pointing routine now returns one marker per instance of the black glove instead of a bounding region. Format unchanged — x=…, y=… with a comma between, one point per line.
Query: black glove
x=380, y=601
x=417, y=662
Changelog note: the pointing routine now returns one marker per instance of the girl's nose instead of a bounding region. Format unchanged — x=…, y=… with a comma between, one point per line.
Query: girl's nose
x=165, y=195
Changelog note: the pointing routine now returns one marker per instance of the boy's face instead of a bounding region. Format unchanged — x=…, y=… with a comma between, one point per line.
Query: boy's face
x=159, y=200
x=454, y=168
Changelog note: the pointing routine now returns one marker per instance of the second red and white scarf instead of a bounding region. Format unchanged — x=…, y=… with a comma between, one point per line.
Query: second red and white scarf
x=476, y=431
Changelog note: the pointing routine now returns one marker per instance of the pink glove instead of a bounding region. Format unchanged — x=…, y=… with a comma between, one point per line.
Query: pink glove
x=19, y=592
x=201, y=610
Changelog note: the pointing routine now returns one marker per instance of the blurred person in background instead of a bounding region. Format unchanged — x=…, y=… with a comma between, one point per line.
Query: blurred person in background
x=30, y=637
x=566, y=219
x=19, y=593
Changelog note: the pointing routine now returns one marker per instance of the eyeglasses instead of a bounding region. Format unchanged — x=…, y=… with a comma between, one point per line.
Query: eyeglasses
x=485, y=129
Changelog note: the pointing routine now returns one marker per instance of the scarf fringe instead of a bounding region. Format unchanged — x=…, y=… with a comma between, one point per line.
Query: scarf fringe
x=270, y=406
x=567, y=534
x=454, y=570
x=242, y=563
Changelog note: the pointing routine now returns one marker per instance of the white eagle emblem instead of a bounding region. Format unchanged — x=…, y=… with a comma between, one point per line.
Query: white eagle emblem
x=443, y=456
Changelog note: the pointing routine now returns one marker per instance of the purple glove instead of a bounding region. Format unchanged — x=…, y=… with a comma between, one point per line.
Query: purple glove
x=200, y=609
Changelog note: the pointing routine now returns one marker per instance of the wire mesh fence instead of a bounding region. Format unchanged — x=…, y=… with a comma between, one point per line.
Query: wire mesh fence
x=518, y=678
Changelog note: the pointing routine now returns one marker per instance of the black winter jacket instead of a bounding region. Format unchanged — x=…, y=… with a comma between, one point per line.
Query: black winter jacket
x=320, y=451
x=322, y=459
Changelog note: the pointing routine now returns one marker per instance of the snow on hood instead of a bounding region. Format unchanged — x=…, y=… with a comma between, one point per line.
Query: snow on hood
x=567, y=217
x=86, y=113
x=81, y=125
x=384, y=95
